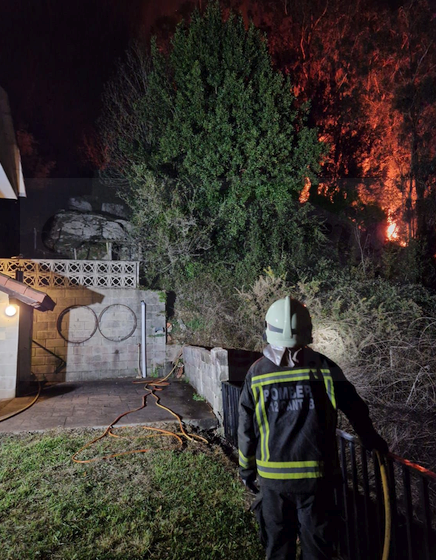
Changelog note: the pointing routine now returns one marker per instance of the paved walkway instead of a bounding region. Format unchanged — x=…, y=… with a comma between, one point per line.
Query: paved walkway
x=96, y=404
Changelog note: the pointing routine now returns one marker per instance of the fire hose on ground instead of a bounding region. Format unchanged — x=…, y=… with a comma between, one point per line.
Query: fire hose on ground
x=3, y=418
x=151, y=386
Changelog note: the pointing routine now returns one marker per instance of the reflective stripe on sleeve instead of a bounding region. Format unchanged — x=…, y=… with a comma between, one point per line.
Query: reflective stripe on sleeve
x=328, y=381
x=246, y=462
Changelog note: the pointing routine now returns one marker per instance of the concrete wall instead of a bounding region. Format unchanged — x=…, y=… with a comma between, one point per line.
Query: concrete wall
x=8, y=350
x=90, y=355
x=205, y=371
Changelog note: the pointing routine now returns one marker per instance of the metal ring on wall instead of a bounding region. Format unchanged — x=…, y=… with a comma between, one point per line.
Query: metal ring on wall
x=67, y=310
x=119, y=339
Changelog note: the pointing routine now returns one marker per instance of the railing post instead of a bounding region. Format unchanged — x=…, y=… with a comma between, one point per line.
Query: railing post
x=425, y=504
x=409, y=510
x=366, y=497
x=379, y=501
x=345, y=496
x=354, y=479
x=230, y=411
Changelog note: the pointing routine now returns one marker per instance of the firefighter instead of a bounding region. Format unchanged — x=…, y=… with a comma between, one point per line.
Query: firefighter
x=287, y=436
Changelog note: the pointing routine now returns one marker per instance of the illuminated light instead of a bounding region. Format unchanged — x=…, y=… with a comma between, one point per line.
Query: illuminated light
x=11, y=310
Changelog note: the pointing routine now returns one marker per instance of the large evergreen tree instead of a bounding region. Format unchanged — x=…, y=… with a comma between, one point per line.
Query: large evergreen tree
x=214, y=150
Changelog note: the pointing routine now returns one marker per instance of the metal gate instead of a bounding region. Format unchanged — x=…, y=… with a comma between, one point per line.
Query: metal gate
x=231, y=392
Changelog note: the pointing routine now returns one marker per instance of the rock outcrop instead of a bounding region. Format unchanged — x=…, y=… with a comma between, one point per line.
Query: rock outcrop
x=88, y=235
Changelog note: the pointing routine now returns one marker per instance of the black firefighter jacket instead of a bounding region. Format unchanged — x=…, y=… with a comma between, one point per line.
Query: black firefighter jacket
x=288, y=417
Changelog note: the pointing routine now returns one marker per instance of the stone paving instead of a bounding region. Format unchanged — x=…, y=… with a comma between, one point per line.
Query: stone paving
x=96, y=404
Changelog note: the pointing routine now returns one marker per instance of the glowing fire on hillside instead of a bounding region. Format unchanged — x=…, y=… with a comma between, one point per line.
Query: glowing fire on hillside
x=391, y=198
x=392, y=230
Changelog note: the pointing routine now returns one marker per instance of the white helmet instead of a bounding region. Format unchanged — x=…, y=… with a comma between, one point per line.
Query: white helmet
x=288, y=324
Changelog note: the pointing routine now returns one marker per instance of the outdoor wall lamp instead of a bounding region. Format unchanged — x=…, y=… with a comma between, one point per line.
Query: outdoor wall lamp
x=11, y=310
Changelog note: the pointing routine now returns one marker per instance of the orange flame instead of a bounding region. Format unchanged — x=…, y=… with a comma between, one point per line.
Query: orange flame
x=392, y=233
x=304, y=194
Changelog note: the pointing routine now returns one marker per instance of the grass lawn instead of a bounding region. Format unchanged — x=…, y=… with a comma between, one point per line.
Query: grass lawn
x=167, y=503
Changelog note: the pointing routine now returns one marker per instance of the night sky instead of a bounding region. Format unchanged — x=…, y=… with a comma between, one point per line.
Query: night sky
x=55, y=57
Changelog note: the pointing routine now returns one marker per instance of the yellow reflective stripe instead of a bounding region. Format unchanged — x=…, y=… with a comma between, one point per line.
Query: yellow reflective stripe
x=256, y=394
x=266, y=427
x=331, y=391
x=330, y=388
x=285, y=376
x=290, y=476
x=290, y=469
x=262, y=422
x=281, y=373
x=283, y=380
x=288, y=371
x=288, y=464
x=246, y=462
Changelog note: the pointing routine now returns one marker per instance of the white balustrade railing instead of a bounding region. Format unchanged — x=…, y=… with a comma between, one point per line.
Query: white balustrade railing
x=53, y=273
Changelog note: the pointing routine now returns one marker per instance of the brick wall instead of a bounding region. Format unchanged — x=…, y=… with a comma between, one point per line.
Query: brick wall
x=94, y=331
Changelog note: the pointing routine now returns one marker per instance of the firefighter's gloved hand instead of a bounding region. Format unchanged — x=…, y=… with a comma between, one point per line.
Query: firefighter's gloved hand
x=250, y=483
x=375, y=443
x=380, y=445
x=252, y=487
x=248, y=476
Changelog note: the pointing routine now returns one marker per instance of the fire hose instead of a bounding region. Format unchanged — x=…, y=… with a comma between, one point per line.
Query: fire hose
x=386, y=499
x=151, y=386
x=3, y=418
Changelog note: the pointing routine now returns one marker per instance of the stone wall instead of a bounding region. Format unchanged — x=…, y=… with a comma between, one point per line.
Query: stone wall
x=97, y=332
x=8, y=350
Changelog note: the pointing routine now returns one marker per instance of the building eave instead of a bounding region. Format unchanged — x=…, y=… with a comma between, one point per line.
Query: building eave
x=35, y=298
